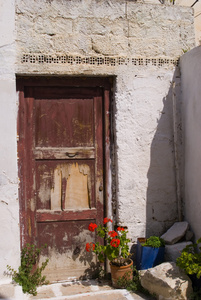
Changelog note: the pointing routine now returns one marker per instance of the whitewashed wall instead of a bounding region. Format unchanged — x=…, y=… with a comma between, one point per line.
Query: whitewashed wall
x=9, y=206
x=136, y=43
x=191, y=91
x=146, y=169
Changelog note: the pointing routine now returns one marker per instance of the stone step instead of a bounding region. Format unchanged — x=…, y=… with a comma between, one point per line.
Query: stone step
x=90, y=289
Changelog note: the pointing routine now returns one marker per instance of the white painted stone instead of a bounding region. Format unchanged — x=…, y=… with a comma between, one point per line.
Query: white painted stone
x=7, y=291
x=167, y=281
x=140, y=127
x=13, y=291
x=7, y=13
x=9, y=206
x=172, y=252
x=191, y=91
x=175, y=232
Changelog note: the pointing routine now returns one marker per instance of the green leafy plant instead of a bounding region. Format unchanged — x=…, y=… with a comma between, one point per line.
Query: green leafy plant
x=116, y=248
x=154, y=241
x=190, y=259
x=126, y=283
x=29, y=276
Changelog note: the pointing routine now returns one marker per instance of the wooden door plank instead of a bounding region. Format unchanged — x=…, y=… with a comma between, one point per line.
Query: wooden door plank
x=48, y=216
x=64, y=153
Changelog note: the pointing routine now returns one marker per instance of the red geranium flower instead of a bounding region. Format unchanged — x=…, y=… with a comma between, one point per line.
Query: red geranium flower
x=120, y=229
x=92, y=227
x=90, y=246
x=106, y=220
x=112, y=233
x=115, y=243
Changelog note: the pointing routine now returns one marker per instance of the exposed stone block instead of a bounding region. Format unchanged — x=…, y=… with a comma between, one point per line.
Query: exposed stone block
x=172, y=252
x=167, y=281
x=141, y=29
x=110, y=45
x=74, y=9
x=189, y=235
x=175, y=233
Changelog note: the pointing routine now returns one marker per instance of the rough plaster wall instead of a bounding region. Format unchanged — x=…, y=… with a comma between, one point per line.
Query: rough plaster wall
x=146, y=174
x=146, y=184
x=9, y=207
x=191, y=91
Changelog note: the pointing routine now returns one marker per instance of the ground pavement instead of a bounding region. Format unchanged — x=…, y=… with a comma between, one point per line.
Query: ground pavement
x=85, y=290
x=77, y=290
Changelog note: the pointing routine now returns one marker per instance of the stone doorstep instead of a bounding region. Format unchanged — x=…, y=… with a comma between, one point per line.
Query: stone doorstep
x=99, y=295
x=70, y=289
x=90, y=289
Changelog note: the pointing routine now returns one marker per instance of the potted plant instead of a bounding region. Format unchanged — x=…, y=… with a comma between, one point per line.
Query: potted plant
x=190, y=262
x=116, y=250
x=150, y=252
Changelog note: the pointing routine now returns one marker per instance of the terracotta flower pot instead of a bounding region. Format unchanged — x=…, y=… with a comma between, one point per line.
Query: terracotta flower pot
x=121, y=275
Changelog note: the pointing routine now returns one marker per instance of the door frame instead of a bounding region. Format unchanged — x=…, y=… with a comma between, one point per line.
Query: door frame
x=27, y=228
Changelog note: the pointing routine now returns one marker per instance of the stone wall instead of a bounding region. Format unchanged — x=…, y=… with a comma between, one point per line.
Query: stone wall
x=121, y=28
x=138, y=44
x=188, y=3
x=9, y=206
x=191, y=90
x=197, y=16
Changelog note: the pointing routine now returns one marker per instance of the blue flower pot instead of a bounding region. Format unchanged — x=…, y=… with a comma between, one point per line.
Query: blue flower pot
x=148, y=257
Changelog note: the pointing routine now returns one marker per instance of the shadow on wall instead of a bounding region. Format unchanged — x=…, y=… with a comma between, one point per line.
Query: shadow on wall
x=162, y=201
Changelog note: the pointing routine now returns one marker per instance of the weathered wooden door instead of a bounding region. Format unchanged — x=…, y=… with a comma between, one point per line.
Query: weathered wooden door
x=63, y=140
